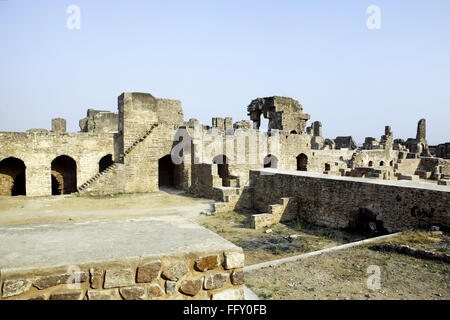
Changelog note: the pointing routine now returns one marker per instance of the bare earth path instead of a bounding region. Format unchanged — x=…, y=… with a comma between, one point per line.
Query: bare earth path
x=24, y=210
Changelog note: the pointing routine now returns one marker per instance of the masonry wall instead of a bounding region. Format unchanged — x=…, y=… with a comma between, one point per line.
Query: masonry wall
x=338, y=202
x=38, y=149
x=198, y=276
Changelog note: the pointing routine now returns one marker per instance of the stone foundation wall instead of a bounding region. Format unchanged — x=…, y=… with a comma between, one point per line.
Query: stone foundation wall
x=342, y=202
x=199, y=276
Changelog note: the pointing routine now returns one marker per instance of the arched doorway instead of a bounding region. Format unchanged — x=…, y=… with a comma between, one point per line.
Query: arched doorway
x=166, y=172
x=370, y=164
x=327, y=167
x=105, y=162
x=270, y=161
x=12, y=177
x=302, y=162
x=64, y=175
x=222, y=169
x=381, y=163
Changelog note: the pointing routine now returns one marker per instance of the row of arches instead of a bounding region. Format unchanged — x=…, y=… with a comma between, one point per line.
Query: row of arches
x=382, y=164
x=63, y=175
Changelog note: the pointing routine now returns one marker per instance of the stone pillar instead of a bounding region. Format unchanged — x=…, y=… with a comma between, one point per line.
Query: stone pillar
x=228, y=123
x=317, y=129
x=421, y=133
x=59, y=125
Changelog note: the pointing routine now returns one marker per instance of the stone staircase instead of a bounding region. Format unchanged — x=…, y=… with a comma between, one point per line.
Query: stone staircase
x=97, y=176
x=115, y=165
x=229, y=197
x=139, y=140
x=283, y=211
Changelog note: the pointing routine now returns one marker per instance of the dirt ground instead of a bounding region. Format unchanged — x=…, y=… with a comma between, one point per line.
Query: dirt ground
x=343, y=275
x=23, y=210
x=285, y=240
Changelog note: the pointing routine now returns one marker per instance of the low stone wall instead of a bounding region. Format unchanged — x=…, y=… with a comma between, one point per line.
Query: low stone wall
x=345, y=202
x=133, y=259
x=213, y=275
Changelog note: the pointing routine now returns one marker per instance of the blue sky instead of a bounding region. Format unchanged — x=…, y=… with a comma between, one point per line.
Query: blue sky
x=216, y=56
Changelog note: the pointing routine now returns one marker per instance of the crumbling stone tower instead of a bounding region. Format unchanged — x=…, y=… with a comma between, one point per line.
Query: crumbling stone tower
x=284, y=114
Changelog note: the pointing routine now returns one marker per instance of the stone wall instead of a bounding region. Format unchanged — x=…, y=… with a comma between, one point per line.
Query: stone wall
x=344, y=202
x=204, y=276
x=38, y=149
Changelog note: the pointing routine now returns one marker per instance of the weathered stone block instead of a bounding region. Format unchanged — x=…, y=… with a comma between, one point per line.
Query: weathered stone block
x=39, y=297
x=148, y=272
x=170, y=287
x=234, y=260
x=54, y=280
x=215, y=281
x=155, y=291
x=175, y=272
x=66, y=295
x=191, y=287
x=15, y=287
x=207, y=263
x=132, y=293
x=110, y=294
x=229, y=294
x=96, y=277
x=115, y=278
x=237, y=277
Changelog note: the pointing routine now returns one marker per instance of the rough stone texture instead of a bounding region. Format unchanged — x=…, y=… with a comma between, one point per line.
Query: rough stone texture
x=233, y=260
x=54, y=280
x=155, y=291
x=15, y=287
x=132, y=293
x=176, y=271
x=39, y=297
x=148, y=272
x=96, y=278
x=115, y=278
x=170, y=287
x=215, y=281
x=229, y=294
x=344, y=202
x=207, y=263
x=110, y=294
x=66, y=295
x=191, y=287
x=237, y=277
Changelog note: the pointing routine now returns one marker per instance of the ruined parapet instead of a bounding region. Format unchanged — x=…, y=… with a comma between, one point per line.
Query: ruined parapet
x=329, y=144
x=59, y=125
x=243, y=124
x=283, y=113
x=371, y=143
x=345, y=143
x=99, y=121
x=443, y=150
x=222, y=124
x=37, y=130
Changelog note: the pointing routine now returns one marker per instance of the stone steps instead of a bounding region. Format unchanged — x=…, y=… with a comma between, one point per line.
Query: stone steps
x=122, y=156
x=283, y=211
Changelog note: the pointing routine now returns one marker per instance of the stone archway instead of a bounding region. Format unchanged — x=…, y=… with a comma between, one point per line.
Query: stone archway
x=271, y=161
x=302, y=162
x=105, y=162
x=12, y=177
x=166, y=169
x=64, y=175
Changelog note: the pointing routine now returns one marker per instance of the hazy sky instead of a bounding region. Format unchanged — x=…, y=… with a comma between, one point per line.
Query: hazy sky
x=216, y=56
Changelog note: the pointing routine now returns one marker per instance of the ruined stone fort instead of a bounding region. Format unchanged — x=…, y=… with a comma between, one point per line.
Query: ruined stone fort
x=289, y=171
